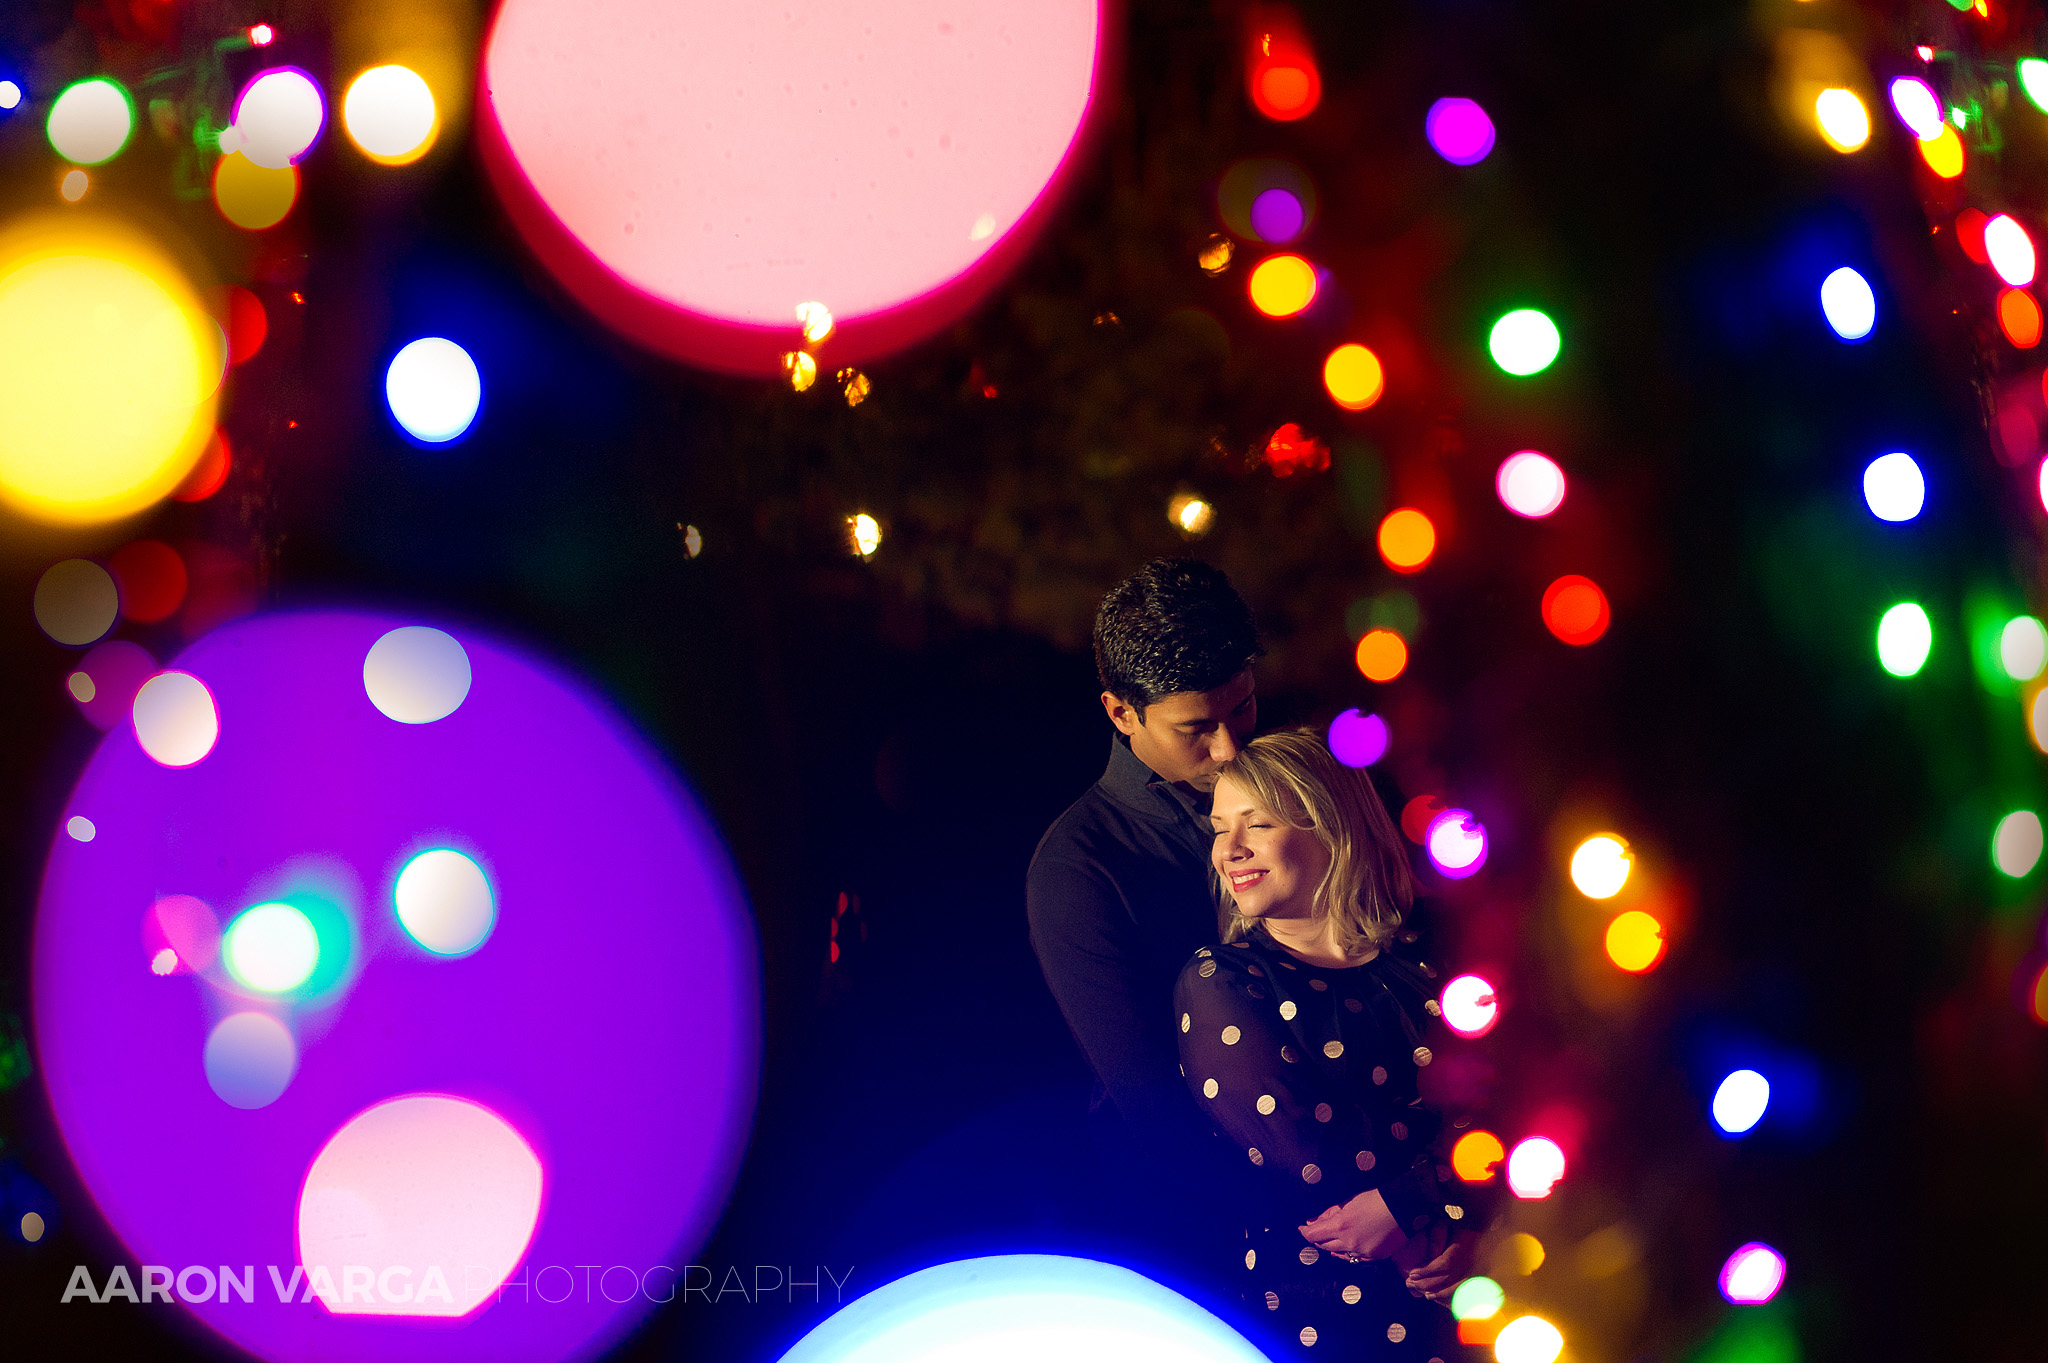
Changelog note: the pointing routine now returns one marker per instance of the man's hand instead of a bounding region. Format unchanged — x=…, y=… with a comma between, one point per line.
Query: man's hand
x=1451, y=1264
x=1362, y=1227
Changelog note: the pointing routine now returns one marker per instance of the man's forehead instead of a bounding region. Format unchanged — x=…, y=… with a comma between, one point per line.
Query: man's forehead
x=1183, y=707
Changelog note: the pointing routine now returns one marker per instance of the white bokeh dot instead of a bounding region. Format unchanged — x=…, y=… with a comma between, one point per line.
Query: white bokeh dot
x=444, y=900
x=250, y=1059
x=279, y=116
x=175, y=719
x=272, y=948
x=434, y=389
x=389, y=111
x=81, y=828
x=417, y=674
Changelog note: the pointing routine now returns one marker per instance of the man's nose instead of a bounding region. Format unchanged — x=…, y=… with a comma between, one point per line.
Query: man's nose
x=1224, y=747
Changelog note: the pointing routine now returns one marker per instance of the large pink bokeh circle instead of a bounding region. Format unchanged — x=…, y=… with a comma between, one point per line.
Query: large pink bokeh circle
x=692, y=171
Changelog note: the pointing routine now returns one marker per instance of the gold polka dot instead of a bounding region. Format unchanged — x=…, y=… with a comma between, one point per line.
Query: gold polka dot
x=1309, y=1254
x=1255, y=991
x=1353, y=1004
x=1308, y=1334
x=1396, y=1332
x=1255, y=970
x=1203, y=952
x=1186, y=1022
x=1208, y=1088
x=1206, y=969
x=1272, y=1301
x=1379, y=1074
x=1287, y=1009
x=1333, y=1049
x=1266, y=1105
x=1289, y=965
x=1454, y=1211
x=1430, y=971
x=1318, y=985
x=1433, y=1008
x=1411, y=936
x=1422, y=1055
x=1257, y=1158
x=1240, y=944
x=1400, y=1130
x=1352, y=1294
x=1311, y=1174
x=1323, y=1112
x=1251, y=1258
x=1230, y=1036
x=1366, y=1159
x=1289, y=1054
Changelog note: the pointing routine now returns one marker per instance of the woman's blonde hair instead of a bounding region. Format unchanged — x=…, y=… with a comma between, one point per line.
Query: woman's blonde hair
x=1368, y=888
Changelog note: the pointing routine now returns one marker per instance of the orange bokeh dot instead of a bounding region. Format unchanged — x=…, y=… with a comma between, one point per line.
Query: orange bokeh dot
x=1285, y=84
x=151, y=579
x=1283, y=285
x=2019, y=317
x=1575, y=609
x=1382, y=654
x=1635, y=941
x=2038, y=1003
x=1407, y=539
x=1477, y=1155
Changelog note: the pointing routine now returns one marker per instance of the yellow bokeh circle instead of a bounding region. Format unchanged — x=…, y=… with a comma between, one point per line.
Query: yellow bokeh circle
x=110, y=366
x=1353, y=376
x=253, y=197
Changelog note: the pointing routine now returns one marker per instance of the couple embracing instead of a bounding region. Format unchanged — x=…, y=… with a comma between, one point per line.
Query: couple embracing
x=1220, y=918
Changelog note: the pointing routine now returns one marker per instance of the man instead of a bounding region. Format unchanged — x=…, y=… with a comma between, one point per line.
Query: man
x=1118, y=892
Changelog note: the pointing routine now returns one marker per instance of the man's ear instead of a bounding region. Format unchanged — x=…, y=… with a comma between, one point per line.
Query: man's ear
x=1120, y=713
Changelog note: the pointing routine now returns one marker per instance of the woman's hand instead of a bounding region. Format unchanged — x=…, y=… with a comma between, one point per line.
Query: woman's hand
x=1362, y=1228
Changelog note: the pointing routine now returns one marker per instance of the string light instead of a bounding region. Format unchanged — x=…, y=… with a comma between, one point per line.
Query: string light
x=865, y=532
x=1944, y=154
x=2016, y=843
x=1470, y=1006
x=2011, y=250
x=1358, y=740
x=1893, y=487
x=1904, y=639
x=1914, y=102
x=1524, y=342
x=1190, y=515
x=1382, y=655
x=2023, y=648
x=1477, y=1156
x=1635, y=941
x=1459, y=130
x=1575, y=610
x=1848, y=303
x=1407, y=540
x=90, y=122
x=1530, y=484
x=1216, y=254
x=1600, y=866
x=1354, y=377
x=1842, y=119
x=2019, y=317
x=1283, y=285
x=1535, y=1167
x=1752, y=1275
x=1740, y=1101
x=1456, y=843
x=2033, y=74
x=1528, y=1339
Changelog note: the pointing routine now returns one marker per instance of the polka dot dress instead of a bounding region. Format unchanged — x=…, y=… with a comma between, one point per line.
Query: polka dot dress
x=1311, y=1074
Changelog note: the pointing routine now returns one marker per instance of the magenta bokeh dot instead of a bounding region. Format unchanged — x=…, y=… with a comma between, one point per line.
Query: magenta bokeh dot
x=1358, y=740
x=1277, y=216
x=1459, y=130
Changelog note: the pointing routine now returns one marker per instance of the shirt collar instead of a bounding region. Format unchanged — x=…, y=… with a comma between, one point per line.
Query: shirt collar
x=1133, y=784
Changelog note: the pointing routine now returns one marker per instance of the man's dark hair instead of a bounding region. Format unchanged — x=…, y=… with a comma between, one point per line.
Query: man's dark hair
x=1174, y=625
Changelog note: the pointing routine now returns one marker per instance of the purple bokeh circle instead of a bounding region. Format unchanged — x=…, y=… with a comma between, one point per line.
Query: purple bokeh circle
x=611, y=1019
x=1358, y=740
x=1459, y=130
x=1277, y=216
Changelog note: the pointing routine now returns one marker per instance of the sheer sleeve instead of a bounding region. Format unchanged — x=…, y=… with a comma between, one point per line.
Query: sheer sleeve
x=1247, y=1073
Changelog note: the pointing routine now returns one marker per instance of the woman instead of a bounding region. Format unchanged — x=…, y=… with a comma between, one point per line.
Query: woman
x=1302, y=1038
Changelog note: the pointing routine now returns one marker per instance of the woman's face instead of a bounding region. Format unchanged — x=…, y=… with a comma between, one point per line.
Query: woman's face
x=1271, y=867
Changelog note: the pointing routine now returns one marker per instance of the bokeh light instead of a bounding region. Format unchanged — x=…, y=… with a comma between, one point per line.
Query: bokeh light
x=1535, y=1166
x=1521, y=1254
x=1382, y=655
x=76, y=601
x=1635, y=941
x=864, y=532
x=1914, y=102
x=1600, y=865
x=91, y=121
x=2016, y=843
x=175, y=719
x=1524, y=342
x=1282, y=285
x=1944, y=155
x=253, y=197
x=277, y=118
x=1528, y=1339
x=1354, y=377
x=816, y=320
x=390, y=115
x=1216, y=254
x=1752, y=1275
x=1277, y=216
x=250, y=1059
x=1904, y=639
x=151, y=578
x=10, y=94
x=1020, y=1308
x=1282, y=77
x=1358, y=740
x=1477, y=1298
x=1575, y=609
x=106, y=680
x=1740, y=1101
x=1456, y=843
x=417, y=674
x=1893, y=487
x=1459, y=130
x=2033, y=74
x=246, y=323
x=208, y=474
x=444, y=901
x=1478, y=1156
x=434, y=389
x=1530, y=484
x=1407, y=539
x=271, y=948
x=185, y=927
x=898, y=199
x=2037, y=719
x=1191, y=515
x=2011, y=250
x=1843, y=121
x=2023, y=648
x=1470, y=1006
x=2037, y=997
x=2019, y=317
x=109, y=370
x=1849, y=304
x=2041, y=482
x=73, y=186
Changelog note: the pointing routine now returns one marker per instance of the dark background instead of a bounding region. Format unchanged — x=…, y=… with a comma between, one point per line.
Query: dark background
x=900, y=730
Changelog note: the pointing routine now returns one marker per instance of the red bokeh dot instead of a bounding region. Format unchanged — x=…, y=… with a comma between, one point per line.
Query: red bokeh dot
x=247, y=324
x=209, y=473
x=1417, y=814
x=1575, y=609
x=151, y=579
